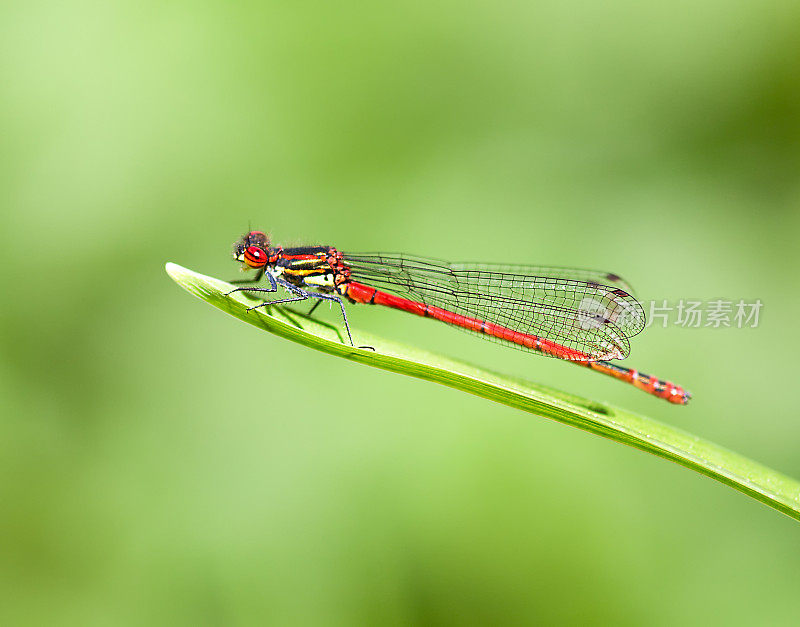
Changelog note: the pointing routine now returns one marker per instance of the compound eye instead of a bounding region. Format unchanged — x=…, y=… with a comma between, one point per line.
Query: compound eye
x=255, y=257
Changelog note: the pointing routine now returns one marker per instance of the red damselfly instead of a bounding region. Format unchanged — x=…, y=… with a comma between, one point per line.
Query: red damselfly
x=582, y=316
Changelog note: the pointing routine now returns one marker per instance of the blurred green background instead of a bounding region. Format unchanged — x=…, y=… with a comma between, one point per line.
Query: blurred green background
x=165, y=464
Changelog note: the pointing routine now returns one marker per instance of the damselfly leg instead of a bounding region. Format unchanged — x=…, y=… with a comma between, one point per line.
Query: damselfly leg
x=300, y=295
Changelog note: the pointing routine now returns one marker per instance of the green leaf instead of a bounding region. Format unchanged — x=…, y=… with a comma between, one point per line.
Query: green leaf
x=745, y=475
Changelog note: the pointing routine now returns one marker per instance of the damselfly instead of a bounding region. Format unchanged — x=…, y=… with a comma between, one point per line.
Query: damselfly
x=582, y=316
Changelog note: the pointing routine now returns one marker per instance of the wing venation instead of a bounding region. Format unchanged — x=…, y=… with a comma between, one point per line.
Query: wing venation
x=587, y=310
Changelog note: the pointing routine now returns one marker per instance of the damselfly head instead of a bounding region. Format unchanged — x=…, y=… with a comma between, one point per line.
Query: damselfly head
x=252, y=249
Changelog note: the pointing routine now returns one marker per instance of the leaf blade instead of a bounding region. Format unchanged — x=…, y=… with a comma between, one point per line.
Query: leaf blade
x=749, y=477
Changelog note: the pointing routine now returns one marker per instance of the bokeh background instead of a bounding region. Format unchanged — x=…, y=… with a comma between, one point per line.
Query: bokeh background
x=161, y=463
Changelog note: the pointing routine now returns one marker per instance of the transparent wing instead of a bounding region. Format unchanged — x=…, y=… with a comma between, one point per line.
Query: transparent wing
x=585, y=310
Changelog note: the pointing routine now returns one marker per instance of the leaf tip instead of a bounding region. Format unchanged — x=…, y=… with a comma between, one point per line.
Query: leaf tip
x=177, y=273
